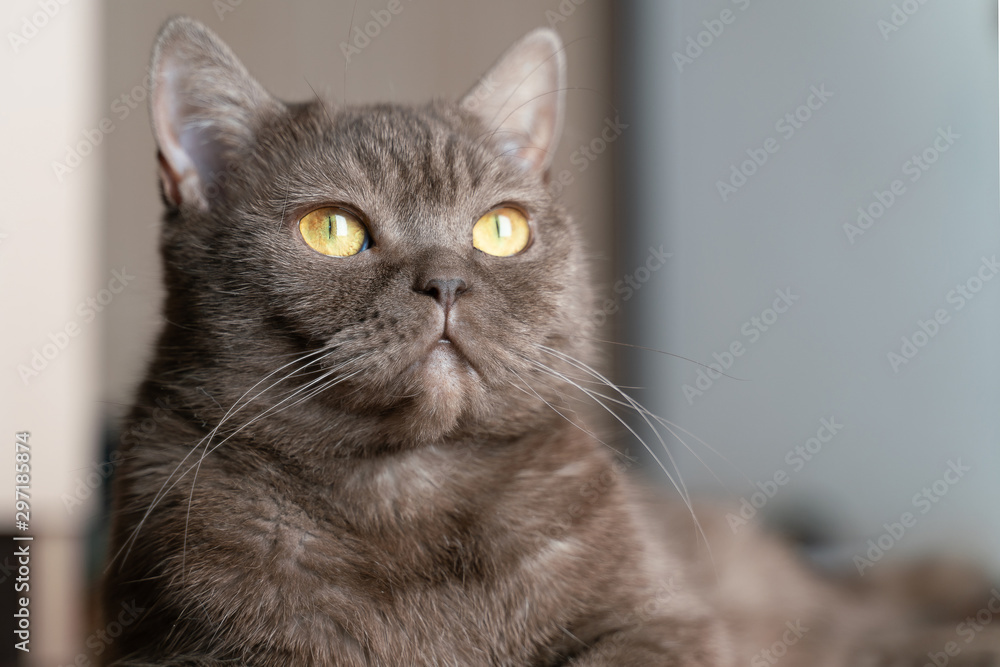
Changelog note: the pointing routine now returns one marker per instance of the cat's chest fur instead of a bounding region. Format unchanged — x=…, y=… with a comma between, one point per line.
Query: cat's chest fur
x=417, y=558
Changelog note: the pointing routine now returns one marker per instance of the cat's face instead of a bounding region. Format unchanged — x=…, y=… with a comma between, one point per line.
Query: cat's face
x=452, y=266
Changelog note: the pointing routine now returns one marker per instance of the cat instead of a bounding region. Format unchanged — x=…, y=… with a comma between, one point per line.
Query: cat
x=371, y=348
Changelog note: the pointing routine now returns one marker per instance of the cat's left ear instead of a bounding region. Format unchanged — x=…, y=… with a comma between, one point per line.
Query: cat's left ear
x=522, y=98
x=206, y=108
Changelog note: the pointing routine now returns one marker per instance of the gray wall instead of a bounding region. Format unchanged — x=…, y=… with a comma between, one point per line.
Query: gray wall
x=890, y=94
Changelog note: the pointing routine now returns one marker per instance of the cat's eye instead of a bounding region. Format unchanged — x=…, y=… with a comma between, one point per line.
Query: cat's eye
x=502, y=232
x=334, y=232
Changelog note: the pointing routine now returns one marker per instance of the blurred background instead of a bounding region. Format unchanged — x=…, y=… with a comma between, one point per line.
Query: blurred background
x=802, y=196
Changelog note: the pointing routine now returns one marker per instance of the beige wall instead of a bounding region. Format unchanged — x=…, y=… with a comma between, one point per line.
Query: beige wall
x=50, y=264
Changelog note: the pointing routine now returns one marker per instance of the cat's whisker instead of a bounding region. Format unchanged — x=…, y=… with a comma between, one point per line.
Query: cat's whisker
x=556, y=410
x=653, y=349
x=210, y=397
x=303, y=389
x=305, y=374
x=681, y=488
x=670, y=429
x=489, y=136
x=207, y=452
x=161, y=492
x=321, y=389
x=498, y=156
x=671, y=426
x=233, y=410
x=584, y=398
x=288, y=184
x=567, y=373
x=347, y=61
x=237, y=406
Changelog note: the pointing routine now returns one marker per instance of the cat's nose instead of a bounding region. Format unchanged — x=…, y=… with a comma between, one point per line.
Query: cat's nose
x=444, y=290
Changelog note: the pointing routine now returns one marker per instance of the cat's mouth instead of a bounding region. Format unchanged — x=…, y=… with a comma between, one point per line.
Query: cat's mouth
x=446, y=347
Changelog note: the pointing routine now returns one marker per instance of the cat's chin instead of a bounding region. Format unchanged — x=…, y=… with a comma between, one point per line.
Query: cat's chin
x=447, y=382
x=447, y=376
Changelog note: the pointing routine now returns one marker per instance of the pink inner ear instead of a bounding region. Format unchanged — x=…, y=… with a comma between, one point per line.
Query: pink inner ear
x=169, y=180
x=176, y=165
x=203, y=104
x=521, y=146
x=521, y=97
x=540, y=140
x=532, y=129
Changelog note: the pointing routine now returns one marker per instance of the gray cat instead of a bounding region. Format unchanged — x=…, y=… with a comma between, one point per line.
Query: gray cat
x=371, y=346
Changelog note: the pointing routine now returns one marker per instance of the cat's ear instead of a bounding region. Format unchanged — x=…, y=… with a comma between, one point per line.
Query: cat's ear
x=205, y=106
x=522, y=98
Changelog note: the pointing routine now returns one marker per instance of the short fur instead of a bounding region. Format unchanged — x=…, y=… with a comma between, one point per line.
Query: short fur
x=333, y=485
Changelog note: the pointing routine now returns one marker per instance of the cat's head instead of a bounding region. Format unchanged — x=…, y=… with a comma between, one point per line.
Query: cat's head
x=408, y=264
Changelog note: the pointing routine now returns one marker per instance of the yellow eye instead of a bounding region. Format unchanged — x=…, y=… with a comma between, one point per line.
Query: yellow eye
x=501, y=232
x=334, y=232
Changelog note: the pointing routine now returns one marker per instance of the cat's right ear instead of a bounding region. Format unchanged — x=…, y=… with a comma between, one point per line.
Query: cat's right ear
x=205, y=108
x=522, y=99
